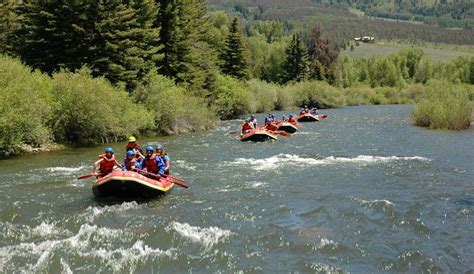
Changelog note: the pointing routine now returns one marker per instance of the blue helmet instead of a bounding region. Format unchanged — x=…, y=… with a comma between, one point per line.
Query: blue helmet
x=149, y=148
x=159, y=146
x=130, y=153
x=109, y=149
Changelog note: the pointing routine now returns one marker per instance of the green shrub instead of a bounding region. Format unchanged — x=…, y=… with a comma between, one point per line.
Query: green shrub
x=360, y=95
x=316, y=93
x=446, y=106
x=265, y=95
x=25, y=99
x=173, y=110
x=90, y=110
x=233, y=98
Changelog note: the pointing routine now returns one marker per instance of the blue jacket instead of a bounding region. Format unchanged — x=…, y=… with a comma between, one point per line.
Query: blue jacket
x=159, y=163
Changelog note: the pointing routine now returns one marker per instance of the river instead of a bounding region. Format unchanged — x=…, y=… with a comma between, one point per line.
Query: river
x=362, y=191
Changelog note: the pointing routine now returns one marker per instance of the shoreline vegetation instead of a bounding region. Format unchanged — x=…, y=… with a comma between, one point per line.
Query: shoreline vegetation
x=79, y=75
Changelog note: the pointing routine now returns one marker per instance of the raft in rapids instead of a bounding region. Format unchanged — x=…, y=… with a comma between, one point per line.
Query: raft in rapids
x=258, y=135
x=130, y=184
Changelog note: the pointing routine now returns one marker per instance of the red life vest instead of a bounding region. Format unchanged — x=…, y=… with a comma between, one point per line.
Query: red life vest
x=132, y=146
x=129, y=163
x=246, y=127
x=272, y=127
x=292, y=120
x=107, y=164
x=150, y=164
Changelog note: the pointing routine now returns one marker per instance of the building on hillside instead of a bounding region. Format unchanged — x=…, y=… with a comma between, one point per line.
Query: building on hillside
x=365, y=39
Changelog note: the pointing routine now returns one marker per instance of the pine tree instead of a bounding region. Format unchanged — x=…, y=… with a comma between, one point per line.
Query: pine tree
x=8, y=24
x=54, y=34
x=126, y=41
x=188, y=58
x=295, y=67
x=235, y=56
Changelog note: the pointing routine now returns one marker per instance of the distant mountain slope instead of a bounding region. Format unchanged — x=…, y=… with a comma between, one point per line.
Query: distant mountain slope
x=445, y=13
x=341, y=24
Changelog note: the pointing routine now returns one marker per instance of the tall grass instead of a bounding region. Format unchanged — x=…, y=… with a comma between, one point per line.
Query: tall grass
x=445, y=106
x=172, y=108
x=90, y=110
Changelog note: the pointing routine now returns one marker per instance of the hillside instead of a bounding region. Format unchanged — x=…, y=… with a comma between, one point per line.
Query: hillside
x=443, y=13
x=342, y=23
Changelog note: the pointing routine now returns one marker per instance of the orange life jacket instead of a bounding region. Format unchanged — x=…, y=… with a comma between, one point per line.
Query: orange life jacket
x=107, y=164
x=150, y=164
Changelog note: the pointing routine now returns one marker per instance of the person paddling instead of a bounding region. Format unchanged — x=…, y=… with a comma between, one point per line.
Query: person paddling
x=134, y=146
x=247, y=126
x=160, y=152
x=151, y=163
x=106, y=163
x=253, y=120
x=314, y=111
x=292, y=119
x=130, y=161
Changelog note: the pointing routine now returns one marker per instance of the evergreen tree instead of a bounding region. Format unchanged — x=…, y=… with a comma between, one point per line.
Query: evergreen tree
x=126, y=41
x=295, y=67
x=55, y=34
x=235, y=56
x=187, y=57
x=8, y=23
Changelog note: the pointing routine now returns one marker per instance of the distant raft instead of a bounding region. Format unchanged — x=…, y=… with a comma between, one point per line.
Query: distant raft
x=287, y=127
x=130, y=184
x=258, y=135
x=308, y=117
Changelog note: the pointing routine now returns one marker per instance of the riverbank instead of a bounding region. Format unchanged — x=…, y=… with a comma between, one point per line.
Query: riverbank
x=76, y=109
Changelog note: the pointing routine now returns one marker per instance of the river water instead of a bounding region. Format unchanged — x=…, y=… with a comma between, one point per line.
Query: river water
x=362, y=191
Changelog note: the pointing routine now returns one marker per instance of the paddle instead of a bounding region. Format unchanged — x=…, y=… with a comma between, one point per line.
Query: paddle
x=181, y=184
x=87, y=176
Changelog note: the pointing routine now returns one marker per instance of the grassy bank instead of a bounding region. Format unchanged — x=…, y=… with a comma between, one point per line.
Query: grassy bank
x=436, y=53
x=444, y=106
x=38, y=111
x=75, y=109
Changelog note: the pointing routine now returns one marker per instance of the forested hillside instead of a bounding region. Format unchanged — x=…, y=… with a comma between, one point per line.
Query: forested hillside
x=343, y=23
x=444, y=13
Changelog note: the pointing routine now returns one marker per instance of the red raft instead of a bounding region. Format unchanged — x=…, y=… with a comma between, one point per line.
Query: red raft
x=287, y=127
x=258, y=135
x=308, y=117
x=130, y=184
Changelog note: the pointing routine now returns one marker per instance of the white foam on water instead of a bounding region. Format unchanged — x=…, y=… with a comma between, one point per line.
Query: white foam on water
x=65, y=170
x=324, y=242
x=90, y=241
x=66, y=267
x=47, y=229
x=371, y=203
x=206, y=236
x=94, y=211
x=256, y=184
x=285, y=160
x=184, y=165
